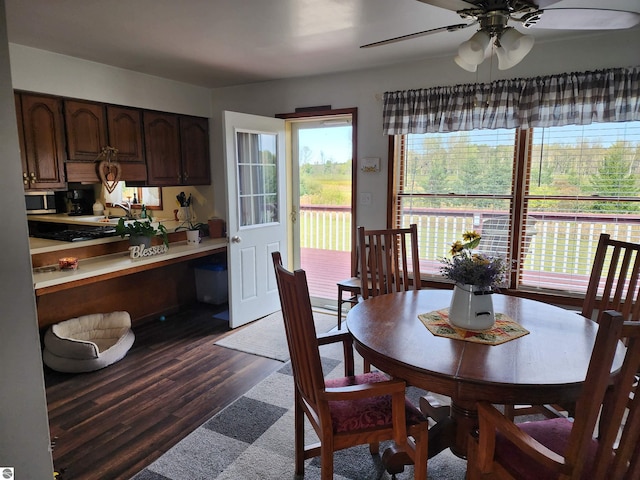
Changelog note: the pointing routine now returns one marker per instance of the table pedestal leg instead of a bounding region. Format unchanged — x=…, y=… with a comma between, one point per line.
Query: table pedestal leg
x=465, y=418
x=449, y=432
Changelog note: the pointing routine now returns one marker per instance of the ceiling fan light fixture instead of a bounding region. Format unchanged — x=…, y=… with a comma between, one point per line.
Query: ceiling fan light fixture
x=473, y=50
x=470, y=67
x=512, y=47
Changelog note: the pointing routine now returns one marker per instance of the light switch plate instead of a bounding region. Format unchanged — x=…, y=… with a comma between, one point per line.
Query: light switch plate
x=365, y=198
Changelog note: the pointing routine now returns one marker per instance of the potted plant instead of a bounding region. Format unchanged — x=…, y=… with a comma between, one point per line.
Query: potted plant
x=141, y=232
x=193, y=231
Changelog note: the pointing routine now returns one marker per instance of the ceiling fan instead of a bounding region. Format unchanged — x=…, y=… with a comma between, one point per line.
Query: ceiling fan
x=493, y=17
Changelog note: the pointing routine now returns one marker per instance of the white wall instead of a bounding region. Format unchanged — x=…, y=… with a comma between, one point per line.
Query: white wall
x=46, y=72
x=363, y=89
x=24, y=427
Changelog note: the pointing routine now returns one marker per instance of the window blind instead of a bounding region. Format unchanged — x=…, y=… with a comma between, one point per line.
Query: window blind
x=539, y=197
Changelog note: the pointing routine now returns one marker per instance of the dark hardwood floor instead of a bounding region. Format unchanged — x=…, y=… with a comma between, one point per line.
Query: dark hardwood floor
x=111, y=423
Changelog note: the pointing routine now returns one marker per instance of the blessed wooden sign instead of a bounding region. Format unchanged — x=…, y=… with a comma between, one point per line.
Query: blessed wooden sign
x=139, y=251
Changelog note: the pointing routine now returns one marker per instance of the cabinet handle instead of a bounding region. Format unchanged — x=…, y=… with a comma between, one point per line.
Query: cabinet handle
x=186, y=176
x=179, y=177
x=32, y=175
x=25, y=178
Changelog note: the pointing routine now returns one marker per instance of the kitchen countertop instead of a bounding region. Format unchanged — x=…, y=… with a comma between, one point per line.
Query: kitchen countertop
x=91, y=220
x=118, y=263
x=42, y=245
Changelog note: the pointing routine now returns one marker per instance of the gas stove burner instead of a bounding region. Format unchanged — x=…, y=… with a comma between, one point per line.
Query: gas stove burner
x=78, y=235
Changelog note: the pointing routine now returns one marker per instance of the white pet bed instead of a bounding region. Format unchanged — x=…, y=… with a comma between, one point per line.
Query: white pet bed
x=88, y=343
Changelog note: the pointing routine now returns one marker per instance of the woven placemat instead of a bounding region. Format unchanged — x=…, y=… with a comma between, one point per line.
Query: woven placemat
x=504, y=330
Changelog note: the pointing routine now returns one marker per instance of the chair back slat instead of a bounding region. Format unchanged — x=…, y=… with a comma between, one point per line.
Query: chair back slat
x=385, y=256
x=619, y=428
x=615, y=272
x=593, y=391
x=300, y=330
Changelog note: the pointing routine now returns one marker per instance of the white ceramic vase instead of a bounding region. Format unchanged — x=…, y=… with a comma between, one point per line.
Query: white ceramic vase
x=471, y=308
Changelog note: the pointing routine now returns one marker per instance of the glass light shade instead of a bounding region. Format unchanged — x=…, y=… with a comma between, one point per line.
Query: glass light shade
x=472, y=51
x=470, y=67
x=514, y=46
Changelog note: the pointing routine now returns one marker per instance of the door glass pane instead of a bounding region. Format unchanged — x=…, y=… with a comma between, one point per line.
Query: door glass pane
x=324, y=152
x=257, y=178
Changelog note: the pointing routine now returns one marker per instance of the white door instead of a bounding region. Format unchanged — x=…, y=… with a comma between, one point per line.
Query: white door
x=256, y=216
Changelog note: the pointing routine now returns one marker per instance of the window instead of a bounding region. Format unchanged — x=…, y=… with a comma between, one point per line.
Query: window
x=151, y=197
x=257, y=178
x=539, y=197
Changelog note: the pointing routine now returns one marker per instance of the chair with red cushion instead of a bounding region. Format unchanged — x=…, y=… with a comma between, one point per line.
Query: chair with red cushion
x=348, y=411
x=614, y=284
x=389, y=260
x=559, y=448
x=614, y=280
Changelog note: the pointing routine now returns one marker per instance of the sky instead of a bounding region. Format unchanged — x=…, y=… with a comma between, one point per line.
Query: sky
x=332, y=143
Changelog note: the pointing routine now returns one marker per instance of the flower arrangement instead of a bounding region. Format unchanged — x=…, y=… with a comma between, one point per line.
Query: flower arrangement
x=468, y=268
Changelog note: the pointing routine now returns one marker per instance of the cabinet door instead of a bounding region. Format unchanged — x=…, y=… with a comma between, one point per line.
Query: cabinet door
x=44, y=141
x=125, y=133
x=23, y=156
x=86, y=130
x=162, y=145
x=194, y=143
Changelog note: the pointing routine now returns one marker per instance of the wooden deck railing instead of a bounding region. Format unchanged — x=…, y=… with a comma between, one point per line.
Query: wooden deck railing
x=559, y=247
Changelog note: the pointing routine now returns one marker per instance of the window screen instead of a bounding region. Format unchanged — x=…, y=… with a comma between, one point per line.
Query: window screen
x=538, y=197
x=584, y=180
x=453, y=182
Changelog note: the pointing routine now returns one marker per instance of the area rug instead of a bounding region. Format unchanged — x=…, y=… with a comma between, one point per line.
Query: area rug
x=252, y=439
x=266, y=337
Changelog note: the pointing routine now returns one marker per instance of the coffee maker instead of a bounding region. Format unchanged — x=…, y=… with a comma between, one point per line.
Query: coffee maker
x=78, y=201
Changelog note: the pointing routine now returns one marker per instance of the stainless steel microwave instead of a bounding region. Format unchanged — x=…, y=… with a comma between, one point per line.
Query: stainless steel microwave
x=39, y=202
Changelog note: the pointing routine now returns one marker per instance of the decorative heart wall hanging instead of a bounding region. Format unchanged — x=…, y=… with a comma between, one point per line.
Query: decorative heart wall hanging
x=110, y=174
x=109, y=170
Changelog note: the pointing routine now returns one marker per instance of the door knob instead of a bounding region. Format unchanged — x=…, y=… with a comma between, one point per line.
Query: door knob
x=236, y=239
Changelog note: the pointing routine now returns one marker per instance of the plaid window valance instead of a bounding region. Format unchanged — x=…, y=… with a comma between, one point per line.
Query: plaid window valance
x=567, y=99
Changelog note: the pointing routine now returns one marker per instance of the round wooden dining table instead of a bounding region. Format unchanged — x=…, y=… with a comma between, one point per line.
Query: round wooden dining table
x=546, y=366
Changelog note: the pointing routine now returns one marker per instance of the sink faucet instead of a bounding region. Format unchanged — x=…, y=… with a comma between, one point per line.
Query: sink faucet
x=127, y=209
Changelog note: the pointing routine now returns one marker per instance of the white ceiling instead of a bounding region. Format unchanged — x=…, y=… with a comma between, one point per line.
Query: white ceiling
x=216, y=43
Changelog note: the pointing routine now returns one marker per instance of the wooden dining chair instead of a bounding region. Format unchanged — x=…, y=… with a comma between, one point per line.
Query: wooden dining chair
x=559, y=448
x=386, y=256
x=347, y=411
x=613, y=285
x=352, y=286
x=385, y=260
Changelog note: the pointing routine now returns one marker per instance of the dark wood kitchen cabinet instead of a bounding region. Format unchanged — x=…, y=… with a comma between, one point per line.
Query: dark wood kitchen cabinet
x=86, y=130
x=42, y=148
x=194, y=144
x=177, y=148
x=162, y=144
x=91, y=126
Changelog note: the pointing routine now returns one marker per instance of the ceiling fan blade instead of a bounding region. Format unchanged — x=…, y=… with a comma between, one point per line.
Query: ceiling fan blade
x=457, y=5
x=450, y=28
x=454, y=5
x=584, y=19
x=541, y=4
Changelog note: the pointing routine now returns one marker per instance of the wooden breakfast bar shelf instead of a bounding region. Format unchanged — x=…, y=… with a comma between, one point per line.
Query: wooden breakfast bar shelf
x=145, y=287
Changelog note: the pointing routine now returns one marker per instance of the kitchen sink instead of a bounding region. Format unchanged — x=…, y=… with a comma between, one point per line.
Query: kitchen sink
x=110, y=220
